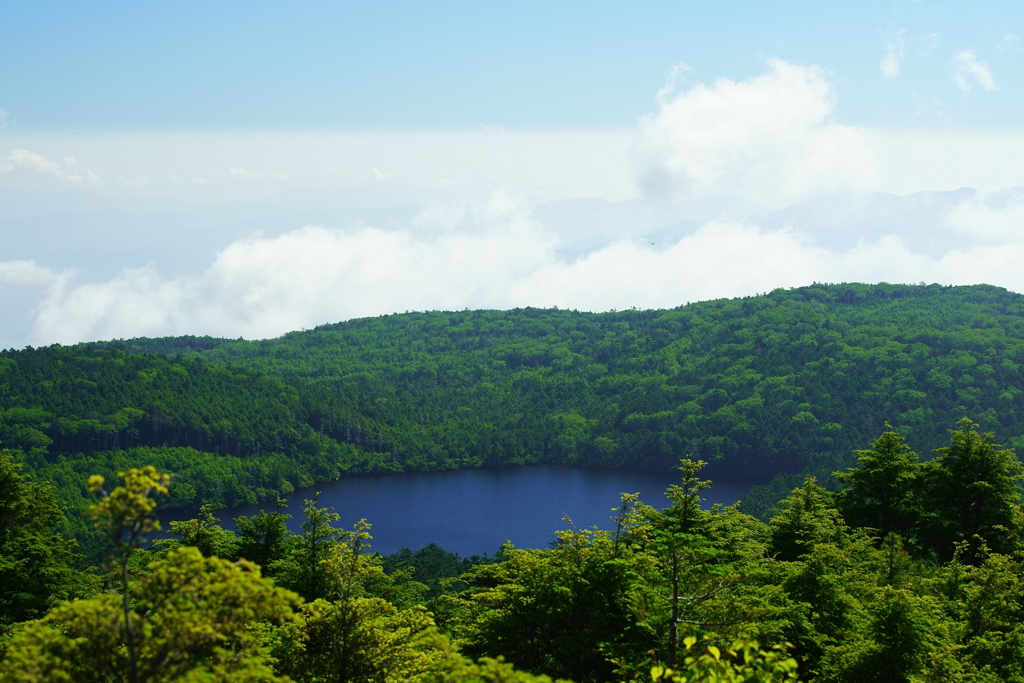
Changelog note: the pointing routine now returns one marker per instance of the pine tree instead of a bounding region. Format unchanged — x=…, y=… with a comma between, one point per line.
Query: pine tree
x=972, y=495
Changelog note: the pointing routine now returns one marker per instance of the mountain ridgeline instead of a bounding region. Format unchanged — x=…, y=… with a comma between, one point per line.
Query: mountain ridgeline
x=790, y=381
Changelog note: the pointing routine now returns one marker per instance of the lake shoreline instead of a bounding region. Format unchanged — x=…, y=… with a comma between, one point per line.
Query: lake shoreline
x=474, y=511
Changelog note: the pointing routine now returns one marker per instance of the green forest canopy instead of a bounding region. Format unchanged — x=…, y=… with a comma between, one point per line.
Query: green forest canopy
x=790, y=381
x=910, y=573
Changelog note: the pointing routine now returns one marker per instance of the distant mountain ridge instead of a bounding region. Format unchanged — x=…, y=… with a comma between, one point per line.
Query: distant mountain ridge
x=837, y=219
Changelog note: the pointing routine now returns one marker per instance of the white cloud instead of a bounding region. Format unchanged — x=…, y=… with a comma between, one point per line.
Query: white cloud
x=968, y=69
x=25, y=273
x=263, y=287
x=242, y=173
x=675, y=76
x=67, y=169
x=770, y=138
x=1009, y=42
x=894, y=47
x=990, y=218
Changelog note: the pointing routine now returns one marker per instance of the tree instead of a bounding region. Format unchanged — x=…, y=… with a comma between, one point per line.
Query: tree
x=431, y=565
x=807, y=519
x=126, y=515
x=191, y=620
x=881, y=491
x=985, y=602
x=205, y=534
x=828, y=572
x=972, y=495
x=742, y=662
x=451, y=667
x=354, y=635
x=302, y=570
x=687, y=575
x=893, y=642
x=685, y=511
x=359, y=639
x=36, y=560
x=262, y=538
x=568, y=612
x=685, y=571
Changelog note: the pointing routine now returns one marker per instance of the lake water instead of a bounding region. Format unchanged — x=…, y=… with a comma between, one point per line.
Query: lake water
x=475, y=511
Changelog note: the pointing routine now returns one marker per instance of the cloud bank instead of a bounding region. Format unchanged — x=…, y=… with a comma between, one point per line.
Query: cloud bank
x=263, y=287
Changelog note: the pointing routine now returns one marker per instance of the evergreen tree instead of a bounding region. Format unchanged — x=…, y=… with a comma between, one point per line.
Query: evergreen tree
x=685, y=513
x=354, y=635
x=302, y=569
x=807, y=519
x=973, y=495
x=564, y=612
x=263, y=538
x=882, y=490
x=982, y=595
x=891, y=643
x=36, y=560
x=204, y=534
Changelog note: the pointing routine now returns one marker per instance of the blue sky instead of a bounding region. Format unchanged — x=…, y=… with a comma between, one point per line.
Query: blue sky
x=245, y=169
x=341, y=65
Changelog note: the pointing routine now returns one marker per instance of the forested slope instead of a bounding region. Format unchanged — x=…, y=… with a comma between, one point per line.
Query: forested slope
x=231, y=435
x=759, y=385
x=786, y=382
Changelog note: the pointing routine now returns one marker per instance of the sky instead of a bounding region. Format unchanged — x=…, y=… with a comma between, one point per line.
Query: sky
x=246, y=169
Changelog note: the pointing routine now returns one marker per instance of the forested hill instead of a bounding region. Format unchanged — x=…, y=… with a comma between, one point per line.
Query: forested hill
x=790, y=380
x=231, y=435
x=793, y=380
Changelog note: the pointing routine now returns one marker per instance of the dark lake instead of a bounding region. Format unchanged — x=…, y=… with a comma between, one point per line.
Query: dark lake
x=475, y=511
